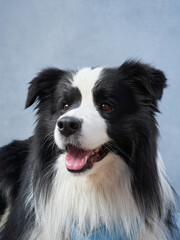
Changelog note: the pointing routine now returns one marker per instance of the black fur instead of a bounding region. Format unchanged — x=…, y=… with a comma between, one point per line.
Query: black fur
x=12, y=160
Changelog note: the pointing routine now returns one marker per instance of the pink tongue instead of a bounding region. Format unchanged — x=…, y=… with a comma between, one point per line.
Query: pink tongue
x=76, y=158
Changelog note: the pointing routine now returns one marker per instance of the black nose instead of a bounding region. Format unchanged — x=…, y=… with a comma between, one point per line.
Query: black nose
x=69, y=125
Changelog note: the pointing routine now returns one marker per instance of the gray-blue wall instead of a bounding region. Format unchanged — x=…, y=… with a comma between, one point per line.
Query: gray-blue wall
x=75, y=33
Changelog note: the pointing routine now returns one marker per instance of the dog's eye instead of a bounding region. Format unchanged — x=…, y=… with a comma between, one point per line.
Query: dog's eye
x=106, y=107
x=66, y=107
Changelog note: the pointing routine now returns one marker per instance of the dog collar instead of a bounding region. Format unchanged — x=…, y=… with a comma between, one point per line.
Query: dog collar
x=101, y=234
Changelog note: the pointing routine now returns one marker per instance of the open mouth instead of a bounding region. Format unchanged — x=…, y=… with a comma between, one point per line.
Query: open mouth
x=79, y=160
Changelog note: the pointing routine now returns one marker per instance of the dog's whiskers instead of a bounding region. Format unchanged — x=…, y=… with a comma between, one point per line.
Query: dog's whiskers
x=111, y=145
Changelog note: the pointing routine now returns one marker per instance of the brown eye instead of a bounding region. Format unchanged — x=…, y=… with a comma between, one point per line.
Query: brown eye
x=66, y=107
x=106, y=107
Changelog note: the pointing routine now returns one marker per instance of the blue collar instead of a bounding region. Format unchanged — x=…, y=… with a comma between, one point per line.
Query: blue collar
x=101, y=234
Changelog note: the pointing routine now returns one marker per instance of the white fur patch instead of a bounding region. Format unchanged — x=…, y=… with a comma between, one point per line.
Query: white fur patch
x=5, y=217
x=104, y=197
x=100, y=198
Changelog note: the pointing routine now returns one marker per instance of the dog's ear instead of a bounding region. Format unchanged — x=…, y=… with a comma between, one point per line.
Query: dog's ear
x=147, y=79
x=42, y=86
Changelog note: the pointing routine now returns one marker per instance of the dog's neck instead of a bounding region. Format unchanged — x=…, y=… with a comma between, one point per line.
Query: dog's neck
x=100, y=196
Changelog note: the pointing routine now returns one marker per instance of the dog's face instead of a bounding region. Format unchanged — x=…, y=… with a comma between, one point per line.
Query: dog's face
x=95, y=112
x=92, y=103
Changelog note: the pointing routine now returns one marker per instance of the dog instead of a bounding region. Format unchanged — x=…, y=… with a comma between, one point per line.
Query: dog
x=92, y=169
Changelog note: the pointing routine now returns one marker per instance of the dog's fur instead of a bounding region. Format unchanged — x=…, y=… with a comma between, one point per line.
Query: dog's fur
x=127, y=190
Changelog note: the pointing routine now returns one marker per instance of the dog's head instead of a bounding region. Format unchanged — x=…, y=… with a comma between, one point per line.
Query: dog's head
x=97, y=111
x=99, y=118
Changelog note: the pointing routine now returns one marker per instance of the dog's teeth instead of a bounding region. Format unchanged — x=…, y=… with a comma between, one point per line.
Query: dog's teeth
x=86, y=158
x=97, y=150
x=93, y=153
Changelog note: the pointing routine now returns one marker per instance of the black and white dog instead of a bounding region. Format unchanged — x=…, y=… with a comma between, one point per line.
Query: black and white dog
x=93, y=161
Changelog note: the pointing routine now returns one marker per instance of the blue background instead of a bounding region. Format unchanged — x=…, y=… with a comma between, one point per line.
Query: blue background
x=74, y=33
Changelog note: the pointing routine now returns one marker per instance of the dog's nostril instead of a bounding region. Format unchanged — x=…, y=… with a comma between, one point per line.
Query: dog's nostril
x=74, y=125
x=60, y=125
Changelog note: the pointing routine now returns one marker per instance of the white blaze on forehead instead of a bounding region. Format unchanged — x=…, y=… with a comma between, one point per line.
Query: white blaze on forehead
x=85, y=80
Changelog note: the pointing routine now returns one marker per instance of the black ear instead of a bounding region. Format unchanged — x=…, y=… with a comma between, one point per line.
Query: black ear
x=147, y=79
x=42, y=86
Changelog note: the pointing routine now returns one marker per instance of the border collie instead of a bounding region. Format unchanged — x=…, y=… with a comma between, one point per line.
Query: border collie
x=92, y=168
